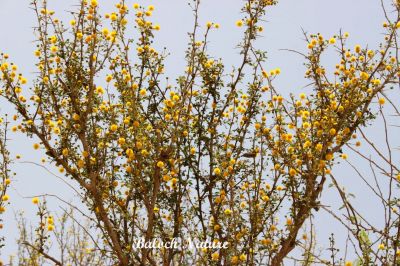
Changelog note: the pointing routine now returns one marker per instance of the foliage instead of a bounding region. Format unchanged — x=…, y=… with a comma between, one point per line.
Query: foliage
x=217, y=155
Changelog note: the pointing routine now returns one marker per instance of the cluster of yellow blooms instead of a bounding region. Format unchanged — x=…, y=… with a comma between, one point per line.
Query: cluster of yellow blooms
x=129, y=140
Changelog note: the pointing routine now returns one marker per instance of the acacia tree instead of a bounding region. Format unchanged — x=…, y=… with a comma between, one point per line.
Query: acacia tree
x=217, y=155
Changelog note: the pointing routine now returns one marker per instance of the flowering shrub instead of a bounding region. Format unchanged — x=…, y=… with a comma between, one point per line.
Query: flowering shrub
x=217, y=156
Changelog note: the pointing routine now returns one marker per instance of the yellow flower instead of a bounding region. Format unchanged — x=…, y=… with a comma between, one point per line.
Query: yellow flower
x=364, y=75
x=217, y=171
x=292, y=172
x=94, y=3
x=160, y=164
x=217, y=227
x=54, y=49
x=36, y=146
x=75, y=117
x=5, y=197
x=239, y=23
x=136, y=6
x=139, y=145
x=319, y=147
x=243, y=257
x=265, y=74
x=109, y=78
x=100, y=90
x=376, y=82
x=332, y=40
x=140, y=50
x=121, y=141
x=72, y=22
x=50, y=227
x=307, y=144
x=348, y=263
x=215, y=256
x=35, y=200
x=113, y=17
x=65, y=152
x=166, y=178
x=306, y=125
x=266, y=241
x=382, y=101
x=105, y=31
x=128, y=169
x=228, y=211
x=234, y=260
x=143, y=92
x=113, y=127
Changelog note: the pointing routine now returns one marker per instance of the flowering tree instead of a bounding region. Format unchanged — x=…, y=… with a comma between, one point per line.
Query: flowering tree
x=5, y=174
x=216, y=156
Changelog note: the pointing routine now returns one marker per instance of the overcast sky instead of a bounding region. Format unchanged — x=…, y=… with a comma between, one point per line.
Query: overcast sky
x=361, y=18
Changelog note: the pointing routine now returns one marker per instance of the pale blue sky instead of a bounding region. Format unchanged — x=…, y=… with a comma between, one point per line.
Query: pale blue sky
x=361, y=18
